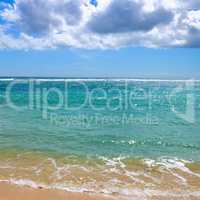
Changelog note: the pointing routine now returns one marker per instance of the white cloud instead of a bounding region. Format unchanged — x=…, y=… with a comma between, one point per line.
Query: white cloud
x=39, y=24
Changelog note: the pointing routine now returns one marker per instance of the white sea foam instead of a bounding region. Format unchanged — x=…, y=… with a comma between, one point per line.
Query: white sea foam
x=129, y=142
x=122, y=192
x=173, y=163
x=114, y=162
x=115, y=185
x=167, y=162
x=25, y=182
x=114, y=80
x=100, y=80
x=6, y=79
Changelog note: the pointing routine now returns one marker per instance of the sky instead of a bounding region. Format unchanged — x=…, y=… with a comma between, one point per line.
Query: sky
x=100, y=38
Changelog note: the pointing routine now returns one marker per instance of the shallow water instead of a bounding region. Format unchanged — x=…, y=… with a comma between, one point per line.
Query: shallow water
x=129, y=138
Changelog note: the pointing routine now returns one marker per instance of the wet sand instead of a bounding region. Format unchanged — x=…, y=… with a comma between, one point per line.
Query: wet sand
x=13, y=192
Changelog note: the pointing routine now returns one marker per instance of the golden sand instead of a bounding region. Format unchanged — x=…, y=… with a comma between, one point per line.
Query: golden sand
x=13, y=192
x=163, y=183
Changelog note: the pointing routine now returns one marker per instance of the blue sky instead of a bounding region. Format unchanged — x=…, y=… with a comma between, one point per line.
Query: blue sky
x=88, y=39
x=127, y=62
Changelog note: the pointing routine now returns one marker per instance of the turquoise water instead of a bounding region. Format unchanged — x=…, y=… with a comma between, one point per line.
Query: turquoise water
x=151, y=132
x=130, y=119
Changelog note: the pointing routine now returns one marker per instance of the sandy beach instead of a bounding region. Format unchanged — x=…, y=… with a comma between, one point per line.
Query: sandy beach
x=13, y=192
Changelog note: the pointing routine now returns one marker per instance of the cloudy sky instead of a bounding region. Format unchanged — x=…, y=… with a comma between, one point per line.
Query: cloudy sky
x=100, y=38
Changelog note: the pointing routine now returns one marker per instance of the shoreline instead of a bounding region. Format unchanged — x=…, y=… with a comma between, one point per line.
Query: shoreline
x=14, y=192
x=10, y=191
x=45, y=178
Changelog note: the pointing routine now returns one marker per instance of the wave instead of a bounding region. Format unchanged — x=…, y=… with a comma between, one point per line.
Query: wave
x=122, y=176
x=98, y=80
x=172, y=163
x=7, y=79
x=114, y=80
x=126, y=194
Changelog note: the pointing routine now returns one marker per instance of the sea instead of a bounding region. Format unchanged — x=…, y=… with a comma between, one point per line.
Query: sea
x=124, y=138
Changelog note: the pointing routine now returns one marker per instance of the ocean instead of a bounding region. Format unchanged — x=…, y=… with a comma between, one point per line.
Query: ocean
x=119, y=137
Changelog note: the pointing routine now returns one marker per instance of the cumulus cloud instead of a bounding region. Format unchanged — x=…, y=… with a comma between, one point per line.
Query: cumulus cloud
x=38, y=17
x=127, y=16
x=35, y=17
x=40, y=24
x=192, y=4
x=193, y=40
